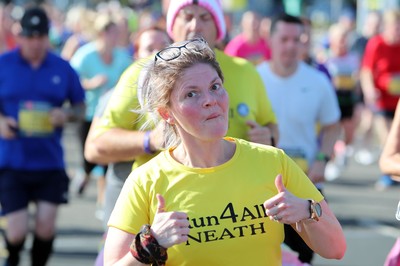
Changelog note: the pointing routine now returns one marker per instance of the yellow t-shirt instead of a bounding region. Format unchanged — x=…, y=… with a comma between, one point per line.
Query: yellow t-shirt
x=224, y=204
x=247, y=96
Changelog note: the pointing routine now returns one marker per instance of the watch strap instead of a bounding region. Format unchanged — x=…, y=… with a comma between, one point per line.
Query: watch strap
x=322, y=157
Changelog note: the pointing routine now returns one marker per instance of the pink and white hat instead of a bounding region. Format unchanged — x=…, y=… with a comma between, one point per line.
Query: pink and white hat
x=213, y=6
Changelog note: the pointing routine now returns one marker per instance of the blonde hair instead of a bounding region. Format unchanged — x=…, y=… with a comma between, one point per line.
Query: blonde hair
x=391, y=16
x=336, y=30
x=103, y=22
x=161, y=76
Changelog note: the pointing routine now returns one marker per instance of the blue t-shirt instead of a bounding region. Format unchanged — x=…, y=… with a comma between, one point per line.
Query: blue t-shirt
x=88, y=63
x=27, y=95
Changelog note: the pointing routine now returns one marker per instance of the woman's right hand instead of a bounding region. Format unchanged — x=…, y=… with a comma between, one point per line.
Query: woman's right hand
x=169, y=228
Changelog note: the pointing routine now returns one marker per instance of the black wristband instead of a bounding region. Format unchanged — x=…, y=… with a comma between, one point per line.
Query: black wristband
x=272, y=141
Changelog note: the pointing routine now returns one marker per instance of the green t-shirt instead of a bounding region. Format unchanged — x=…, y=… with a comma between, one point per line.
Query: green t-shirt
x=224, y=204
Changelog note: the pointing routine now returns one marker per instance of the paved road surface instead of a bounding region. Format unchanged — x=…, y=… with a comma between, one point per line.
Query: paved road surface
x=367, y=217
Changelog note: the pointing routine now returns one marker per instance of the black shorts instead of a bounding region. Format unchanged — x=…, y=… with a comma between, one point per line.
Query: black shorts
x=389, y=114
x=18, y=188
x=346, y=112
x=347, y=102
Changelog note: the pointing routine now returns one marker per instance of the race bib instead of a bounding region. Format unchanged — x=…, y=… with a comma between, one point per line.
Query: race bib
x=299, y=157
x=344, y=82
x=34, y=119
x=394, y=85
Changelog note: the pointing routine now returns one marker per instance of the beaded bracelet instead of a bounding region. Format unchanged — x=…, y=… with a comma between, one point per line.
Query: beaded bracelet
x=146, y=249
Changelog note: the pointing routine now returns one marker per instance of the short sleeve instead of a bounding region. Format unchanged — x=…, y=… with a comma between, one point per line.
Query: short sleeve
x=76, y=93
x=329, y=108
x=370, y=53
x=131, y=210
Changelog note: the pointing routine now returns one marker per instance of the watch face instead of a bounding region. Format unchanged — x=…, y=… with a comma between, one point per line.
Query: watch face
x=318, y=209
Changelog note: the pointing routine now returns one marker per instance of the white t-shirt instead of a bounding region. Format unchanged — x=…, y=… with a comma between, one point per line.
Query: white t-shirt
x=300, y=102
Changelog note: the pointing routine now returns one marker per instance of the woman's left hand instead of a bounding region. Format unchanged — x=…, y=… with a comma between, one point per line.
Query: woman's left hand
x=285, y=207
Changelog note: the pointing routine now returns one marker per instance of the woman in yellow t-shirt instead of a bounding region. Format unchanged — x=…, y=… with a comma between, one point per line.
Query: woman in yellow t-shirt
x=209, y=199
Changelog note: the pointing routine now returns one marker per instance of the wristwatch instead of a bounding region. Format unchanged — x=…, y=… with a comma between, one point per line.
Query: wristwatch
x=315, y=210
x=322, y=157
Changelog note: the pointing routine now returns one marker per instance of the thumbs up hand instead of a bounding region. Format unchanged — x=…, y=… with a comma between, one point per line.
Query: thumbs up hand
x=169, y=228
x=279, y=184
x=284, y=207
x=160, y=204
